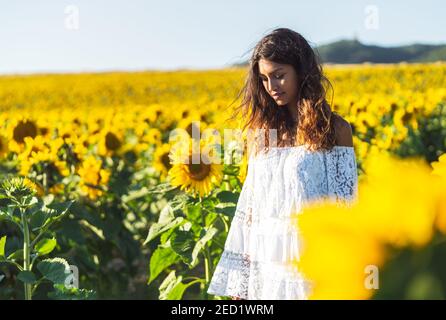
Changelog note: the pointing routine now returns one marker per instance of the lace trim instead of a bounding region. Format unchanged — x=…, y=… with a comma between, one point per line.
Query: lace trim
x=237, y=276
x=231, y=276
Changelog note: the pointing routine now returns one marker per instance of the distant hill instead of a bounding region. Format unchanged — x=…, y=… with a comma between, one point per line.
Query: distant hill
x=353, y=51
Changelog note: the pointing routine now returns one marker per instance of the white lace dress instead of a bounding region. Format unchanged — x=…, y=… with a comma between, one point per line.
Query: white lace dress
x=262, y=238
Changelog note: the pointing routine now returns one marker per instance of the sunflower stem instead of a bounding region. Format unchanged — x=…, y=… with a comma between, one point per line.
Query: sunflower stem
x=207, y=261
x=26, y=253
x=45, y=183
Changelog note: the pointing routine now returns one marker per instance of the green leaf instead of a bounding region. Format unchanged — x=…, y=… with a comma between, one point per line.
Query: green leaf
x=210, y=218
x=232, y=171
x=37, y=220
x=177, y=291
x=166, y=236
x=135, y=194
x=162, y=188
x=209, y=234
x=194, y=213
x=6, y=213
x=228, y=197
x=26, y=277
x=45, y=246
x=165, y=222
x=161, y=259
x=166, y=214
x=209, y=203
x=55, y=211
x=56, y=270
x=183, y=243
x=172, y=288
x=16, y=255
x=63, y=293
x=178, y=202
x=2, y=246
x=227, y=209
x=94, y=228
x=156, y=229
x=36, y=207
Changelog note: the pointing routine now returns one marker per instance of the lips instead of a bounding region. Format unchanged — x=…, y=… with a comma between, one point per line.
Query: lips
x=277, y=95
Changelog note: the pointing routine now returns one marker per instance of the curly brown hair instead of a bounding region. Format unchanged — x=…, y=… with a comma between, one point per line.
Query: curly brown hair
x=315, y=126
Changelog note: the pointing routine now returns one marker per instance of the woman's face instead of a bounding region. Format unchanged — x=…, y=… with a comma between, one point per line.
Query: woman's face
x=280, y=81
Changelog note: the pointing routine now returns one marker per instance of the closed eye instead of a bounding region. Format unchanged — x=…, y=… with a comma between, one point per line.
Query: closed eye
x=278, y=77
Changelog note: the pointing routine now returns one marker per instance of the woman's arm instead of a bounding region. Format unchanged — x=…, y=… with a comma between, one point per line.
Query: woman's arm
x=343, y=129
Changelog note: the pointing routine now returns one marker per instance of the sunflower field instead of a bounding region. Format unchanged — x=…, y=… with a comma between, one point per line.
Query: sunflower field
x=92, y=188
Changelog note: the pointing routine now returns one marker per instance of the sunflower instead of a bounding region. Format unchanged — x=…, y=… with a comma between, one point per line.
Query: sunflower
x=35, y=187
x=161, y=160
x=153, y=136
x=24, y=128
x=193, y=171
x=18, y=129
x=32, y=145
x=92, y=177
x=38, y=154
x=58, y=188
x=110, y=143
x=191, y=124
x=79, y=145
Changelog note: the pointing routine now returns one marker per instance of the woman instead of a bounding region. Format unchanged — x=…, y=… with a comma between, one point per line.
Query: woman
x=310, y=156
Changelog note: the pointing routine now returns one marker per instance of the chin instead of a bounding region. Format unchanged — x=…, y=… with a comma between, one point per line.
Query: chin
x=281, y=103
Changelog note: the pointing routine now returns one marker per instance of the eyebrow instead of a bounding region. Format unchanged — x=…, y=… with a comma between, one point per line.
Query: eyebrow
x=279, y=68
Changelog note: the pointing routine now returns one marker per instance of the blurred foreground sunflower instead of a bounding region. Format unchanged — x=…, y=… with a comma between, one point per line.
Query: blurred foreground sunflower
x=342, y=245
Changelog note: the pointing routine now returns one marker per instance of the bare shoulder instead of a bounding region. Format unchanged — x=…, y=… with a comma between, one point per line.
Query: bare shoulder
x=343, y=130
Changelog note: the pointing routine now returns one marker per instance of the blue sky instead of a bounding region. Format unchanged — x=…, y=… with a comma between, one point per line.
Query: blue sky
x=100, y=35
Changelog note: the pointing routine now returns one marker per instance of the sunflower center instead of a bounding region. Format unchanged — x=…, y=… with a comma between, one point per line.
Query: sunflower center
x=406, y=118
x=23, y=130
x=199, y=171
x=166, y=160
x=44, y=131
x=112, y=142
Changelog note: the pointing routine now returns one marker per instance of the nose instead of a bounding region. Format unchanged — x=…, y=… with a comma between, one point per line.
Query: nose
x=272, y=85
